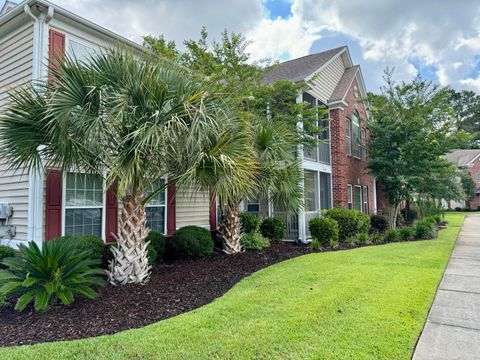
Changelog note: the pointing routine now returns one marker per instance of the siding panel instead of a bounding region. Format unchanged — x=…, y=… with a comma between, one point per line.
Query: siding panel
x=325, y=82
x=192, y=208
x=16, y=60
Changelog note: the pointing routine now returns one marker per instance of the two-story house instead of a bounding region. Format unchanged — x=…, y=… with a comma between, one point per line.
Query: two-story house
x=467, y=160
x=43, y=205
x=334, y=172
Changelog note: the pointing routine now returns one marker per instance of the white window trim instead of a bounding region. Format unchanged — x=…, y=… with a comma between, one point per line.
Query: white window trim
x=164, y=206
x=64, y=207
x=350, y=196
x=348, y=135
x=249, y=202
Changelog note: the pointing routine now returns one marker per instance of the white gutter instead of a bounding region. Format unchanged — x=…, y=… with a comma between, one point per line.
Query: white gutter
x=36, y=177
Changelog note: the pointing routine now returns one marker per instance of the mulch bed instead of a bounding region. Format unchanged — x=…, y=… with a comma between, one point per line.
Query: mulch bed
x=174, y=288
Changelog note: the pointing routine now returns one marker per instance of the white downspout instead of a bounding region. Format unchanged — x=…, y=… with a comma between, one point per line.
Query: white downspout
x=36, y=177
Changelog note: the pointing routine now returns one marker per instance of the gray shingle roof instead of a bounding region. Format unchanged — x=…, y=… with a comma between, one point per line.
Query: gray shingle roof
x=344, y=83
x=463, y=157
x=299, y=69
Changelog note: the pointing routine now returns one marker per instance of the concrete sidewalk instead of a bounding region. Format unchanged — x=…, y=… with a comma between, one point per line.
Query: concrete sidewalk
x=452, y=330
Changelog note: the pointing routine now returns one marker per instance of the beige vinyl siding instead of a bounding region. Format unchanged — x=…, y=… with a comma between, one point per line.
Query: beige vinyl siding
x=326, y=80
x=14, y=191
x=16, y=61
x=192, y=208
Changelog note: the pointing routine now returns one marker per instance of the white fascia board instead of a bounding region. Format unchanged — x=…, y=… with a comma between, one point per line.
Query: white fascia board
x=339, y=104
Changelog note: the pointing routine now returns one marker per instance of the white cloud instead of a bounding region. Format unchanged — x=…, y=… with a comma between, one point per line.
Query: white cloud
x=472, y=83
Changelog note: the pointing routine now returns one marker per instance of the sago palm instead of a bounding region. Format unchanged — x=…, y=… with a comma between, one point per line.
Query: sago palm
x=134, y=120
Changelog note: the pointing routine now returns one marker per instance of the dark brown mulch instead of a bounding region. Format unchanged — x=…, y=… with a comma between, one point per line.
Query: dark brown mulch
x=174, y=288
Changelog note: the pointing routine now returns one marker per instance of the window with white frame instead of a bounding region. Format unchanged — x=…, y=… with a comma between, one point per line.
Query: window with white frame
x=252, y=206
x=356, y=135
x=348, y=136
x=155, y=208
x=358, y=198
x=478, y=178
x=79, y=50
x=84, y=199
x=350, y=196
x=365, y=199
x=363, y=144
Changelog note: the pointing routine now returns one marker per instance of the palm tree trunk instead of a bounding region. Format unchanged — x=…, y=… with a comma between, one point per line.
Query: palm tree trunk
x=130, y=262
x=230, y=229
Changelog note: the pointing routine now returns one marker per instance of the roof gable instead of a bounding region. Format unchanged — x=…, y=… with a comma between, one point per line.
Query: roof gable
x=463, y=157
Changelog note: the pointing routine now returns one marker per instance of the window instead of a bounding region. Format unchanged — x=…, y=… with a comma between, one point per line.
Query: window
x=79, y=50
x=365, y=199
x=358, y=198
x=478, y=178
x=311, y=190
x=83, y=204
x=253, y=206
x=325, y=191
x=348, y=145
x=350, y=196
x=363, y=143
x=356, y=136
x=156, y=209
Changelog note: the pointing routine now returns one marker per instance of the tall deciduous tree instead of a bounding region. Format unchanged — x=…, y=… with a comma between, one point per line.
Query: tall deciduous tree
x=466, y=105
x=412, y=126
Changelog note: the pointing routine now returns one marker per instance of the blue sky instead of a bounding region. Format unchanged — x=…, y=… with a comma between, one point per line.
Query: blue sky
x=435, y=39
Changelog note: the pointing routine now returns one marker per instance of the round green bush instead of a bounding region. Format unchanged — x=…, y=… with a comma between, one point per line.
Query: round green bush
x=350, y=222
x=5, y=252
x=273, y=228
x=193, y=241
x=250, y=222
x=379, y=223
x=157, y=240
x=323, y=229
x=407, y=233
x=392, y=235
x=152, y=254
x=254, y=241
x=424, y=230
x=91, y=244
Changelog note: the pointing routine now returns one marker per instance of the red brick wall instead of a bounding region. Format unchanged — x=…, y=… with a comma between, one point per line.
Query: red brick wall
x=345, y=168
x=474, y=171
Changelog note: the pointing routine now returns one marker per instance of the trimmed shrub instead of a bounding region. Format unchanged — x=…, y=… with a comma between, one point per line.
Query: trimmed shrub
x=379, y=223
x=193, y=241
x=424, y=230
x=152, y=255
x=157, y=241
x=333, y=243
x=363, y=238
x=91, y=244
x=407, y=233
x=323, y=229
x=350, y=222
x=377, y=238
x=273, y=228
x=350, y=241
x=6, y=252
x=254, y=241
x=458, y=208
x=250, y=222
x=315, y=244
x=410, y=215
x=56, y=272
x=392, y=235
x=438, y=219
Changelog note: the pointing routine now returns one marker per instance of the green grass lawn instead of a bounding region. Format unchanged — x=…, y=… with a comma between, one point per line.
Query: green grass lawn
x=367, y=303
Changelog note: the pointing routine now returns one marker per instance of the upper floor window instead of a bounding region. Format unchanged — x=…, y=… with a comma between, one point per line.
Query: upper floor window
x=348, y=136
x=356, y=135
x=478, y=178
x=363, y=143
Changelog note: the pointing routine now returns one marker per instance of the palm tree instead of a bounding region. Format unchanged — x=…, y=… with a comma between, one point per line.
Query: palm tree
x=135, y=120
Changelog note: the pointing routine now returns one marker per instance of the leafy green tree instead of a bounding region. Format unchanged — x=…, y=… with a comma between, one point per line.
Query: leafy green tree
x=466, y=105
x=160, y=46
x=468, y=185
x=137, y=121
x=412, y=126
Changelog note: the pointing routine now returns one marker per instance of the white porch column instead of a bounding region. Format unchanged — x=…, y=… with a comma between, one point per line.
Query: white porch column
x=302, y=230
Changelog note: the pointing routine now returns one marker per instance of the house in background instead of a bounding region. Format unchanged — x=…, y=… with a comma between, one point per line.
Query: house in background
x=334, y=172
x=469, y=161
x=43, y=205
